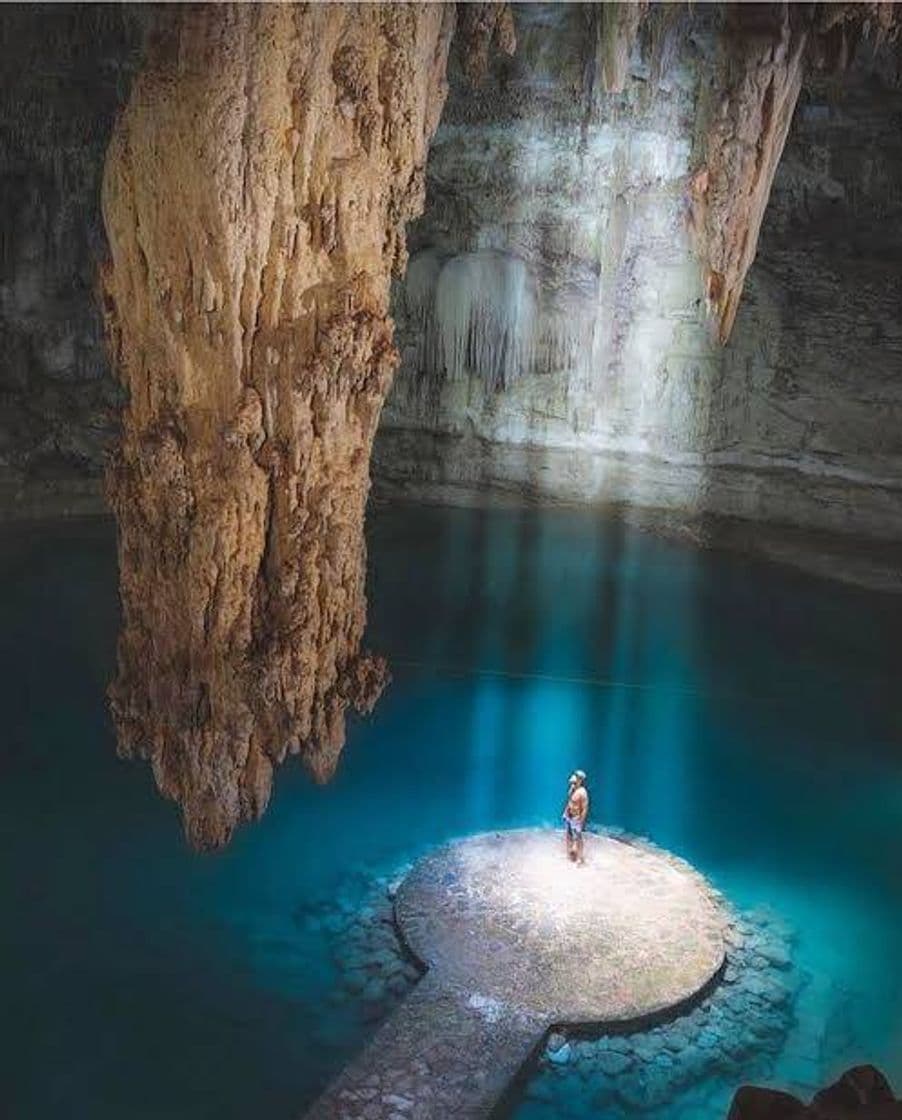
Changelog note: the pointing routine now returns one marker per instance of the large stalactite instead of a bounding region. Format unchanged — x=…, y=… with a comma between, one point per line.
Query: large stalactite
x=256, y=193
x=255, y=196
x=745, y=119
x=749, y=112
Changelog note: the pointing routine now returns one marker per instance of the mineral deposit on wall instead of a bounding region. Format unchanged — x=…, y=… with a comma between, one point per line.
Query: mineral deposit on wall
x=582, y=254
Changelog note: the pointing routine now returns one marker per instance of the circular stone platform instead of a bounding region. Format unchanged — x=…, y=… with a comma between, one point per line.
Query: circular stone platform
x=629, y=935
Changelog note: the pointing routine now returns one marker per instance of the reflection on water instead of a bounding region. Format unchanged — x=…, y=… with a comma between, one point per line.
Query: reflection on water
x=743, y=716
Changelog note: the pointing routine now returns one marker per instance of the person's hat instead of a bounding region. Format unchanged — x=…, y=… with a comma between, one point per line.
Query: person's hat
x=581, y=774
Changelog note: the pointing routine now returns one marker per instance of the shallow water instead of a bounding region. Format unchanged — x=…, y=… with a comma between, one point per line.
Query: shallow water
x=746, y=717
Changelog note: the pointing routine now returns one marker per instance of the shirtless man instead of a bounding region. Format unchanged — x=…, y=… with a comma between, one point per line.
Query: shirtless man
x=575, y=812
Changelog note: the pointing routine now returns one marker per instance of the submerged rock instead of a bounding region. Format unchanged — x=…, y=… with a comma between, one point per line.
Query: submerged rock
x=738, y=1024
x=611, y=1062
x=858, y=1089
x=765, y=1104
x=862, y=1093
x=561, y=1056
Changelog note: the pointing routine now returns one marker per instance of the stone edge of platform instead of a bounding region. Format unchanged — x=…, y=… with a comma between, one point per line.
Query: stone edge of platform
x=608, y=1026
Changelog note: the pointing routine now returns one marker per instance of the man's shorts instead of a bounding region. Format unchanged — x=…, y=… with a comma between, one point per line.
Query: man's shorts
x=574, y=828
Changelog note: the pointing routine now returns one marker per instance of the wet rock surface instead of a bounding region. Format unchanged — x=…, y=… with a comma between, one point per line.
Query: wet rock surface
x=862, y=1093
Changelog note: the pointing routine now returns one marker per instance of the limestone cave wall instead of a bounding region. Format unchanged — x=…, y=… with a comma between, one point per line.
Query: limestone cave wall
x=568, y=176
x=555, y=324
x=593, y=210
x=66, y=71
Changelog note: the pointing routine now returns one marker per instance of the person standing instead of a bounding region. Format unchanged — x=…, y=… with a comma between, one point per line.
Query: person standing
x=576, y=810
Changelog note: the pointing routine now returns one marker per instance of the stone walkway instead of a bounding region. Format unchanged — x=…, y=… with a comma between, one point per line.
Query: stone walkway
x=517, y=939
x=444, y=1053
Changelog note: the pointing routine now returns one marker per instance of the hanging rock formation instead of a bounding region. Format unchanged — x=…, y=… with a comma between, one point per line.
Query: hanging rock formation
x=255, y=196
x=481, y=27
x=765, y=49
x=617, y=28
x=751, y=110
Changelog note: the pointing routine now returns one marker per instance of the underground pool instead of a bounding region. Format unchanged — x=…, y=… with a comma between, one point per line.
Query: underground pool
x=742, y=716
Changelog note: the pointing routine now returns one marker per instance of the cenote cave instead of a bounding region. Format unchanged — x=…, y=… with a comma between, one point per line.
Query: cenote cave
x=451, y=492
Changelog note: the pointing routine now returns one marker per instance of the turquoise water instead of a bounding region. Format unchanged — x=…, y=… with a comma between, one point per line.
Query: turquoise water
x=746, y=717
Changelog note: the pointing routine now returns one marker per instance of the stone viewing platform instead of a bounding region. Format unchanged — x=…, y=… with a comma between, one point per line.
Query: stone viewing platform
x=516, y=940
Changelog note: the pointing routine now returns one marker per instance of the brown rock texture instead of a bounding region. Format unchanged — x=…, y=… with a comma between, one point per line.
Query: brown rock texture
x=841, y=26
x=750, y=110
x=617, y=30
x=862, y=1093
x=255, y=195
x=482, y=27
x=751, y=1103
x=859, y=1091
x=765, y=50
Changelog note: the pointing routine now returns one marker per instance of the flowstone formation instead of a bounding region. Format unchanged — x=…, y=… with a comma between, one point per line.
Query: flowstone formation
x=745, y=112
x=255, y=195
x=494, y=920
x=593, y=211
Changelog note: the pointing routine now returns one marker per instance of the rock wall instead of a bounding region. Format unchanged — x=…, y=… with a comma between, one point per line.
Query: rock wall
x=66, y=70
x=255, y=197
x=578, y=199
x=554, y=319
